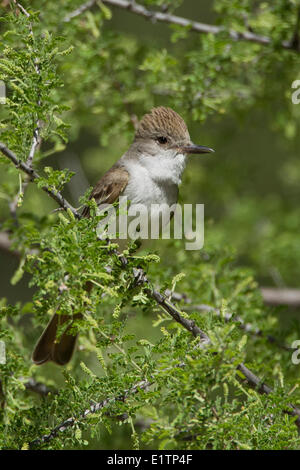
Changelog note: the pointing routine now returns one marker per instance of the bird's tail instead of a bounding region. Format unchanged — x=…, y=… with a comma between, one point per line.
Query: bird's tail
x=51, y=348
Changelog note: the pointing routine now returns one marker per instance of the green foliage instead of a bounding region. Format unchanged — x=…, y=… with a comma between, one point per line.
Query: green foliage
x=82, y=82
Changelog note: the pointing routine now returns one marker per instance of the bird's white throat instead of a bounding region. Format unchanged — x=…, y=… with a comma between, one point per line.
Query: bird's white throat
x=154, y=179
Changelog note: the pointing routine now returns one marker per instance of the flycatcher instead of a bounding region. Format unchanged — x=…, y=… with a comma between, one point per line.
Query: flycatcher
x=148, y=173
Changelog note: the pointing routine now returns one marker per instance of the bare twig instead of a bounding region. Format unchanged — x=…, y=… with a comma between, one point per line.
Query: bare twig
x=36, y=141
x=25, y=12
x=196, y=26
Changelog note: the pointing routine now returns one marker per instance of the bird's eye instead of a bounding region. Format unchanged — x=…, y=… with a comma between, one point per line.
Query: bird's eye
x=162, y=140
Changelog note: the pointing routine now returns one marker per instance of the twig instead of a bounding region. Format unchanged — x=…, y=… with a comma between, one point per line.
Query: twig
x=262, y=388
x=93, y=409
x=33, y=176
x=25, y=12
x=176, y=315
x=80, y=10
x=247, y=327
x=14, y=204
x=196, y=26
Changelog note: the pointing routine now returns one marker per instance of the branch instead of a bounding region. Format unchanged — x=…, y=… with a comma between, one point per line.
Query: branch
x=33, y=176
x=250, y=377
x=176, y=315
x=93, y=409
x=281, y=296
x=262, y=388
x=247, y=327
x=5, y=245
x=80, y=10
x=195, y=26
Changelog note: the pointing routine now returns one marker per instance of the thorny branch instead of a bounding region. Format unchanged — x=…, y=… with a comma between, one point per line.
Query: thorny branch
x=144, y=384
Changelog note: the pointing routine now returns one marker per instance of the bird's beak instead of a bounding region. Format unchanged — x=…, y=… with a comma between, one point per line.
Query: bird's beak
x=192, y=148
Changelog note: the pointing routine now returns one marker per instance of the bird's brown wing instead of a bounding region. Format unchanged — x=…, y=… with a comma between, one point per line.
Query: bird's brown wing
x=109, y=187
x=48, y=348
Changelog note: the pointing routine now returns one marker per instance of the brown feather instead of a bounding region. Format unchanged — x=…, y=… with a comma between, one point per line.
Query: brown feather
x=163, y=121
x=48, y=348
x=109, y=187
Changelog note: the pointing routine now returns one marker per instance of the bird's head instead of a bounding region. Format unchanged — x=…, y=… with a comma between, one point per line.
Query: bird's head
x=164, y=131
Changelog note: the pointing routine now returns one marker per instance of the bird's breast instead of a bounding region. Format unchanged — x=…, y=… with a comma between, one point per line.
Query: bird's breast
x=142, y=188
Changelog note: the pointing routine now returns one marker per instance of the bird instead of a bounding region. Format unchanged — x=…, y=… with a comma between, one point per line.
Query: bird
x=148, y=173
